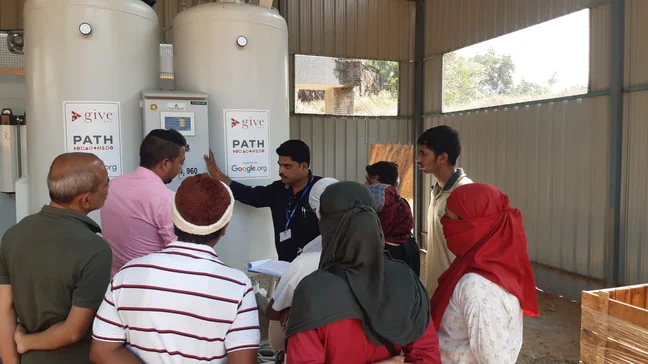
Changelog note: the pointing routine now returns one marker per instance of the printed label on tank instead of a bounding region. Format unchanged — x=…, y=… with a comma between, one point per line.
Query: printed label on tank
x=94, y=127
x=247, y=144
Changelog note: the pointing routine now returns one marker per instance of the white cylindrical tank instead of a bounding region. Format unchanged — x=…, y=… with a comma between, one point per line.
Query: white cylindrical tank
x=238, y=55
x=86, y=62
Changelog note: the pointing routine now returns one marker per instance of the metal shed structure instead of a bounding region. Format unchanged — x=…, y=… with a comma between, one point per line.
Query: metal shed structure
x=575, y=165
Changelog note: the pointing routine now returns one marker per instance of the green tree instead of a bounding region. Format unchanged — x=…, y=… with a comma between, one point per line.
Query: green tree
x=526, y=88
x=485, y=76
x=461, y=80
x=498, y=73
x=389, y=74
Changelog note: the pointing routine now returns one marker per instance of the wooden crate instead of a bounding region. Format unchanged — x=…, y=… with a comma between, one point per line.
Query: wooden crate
x=614, y=325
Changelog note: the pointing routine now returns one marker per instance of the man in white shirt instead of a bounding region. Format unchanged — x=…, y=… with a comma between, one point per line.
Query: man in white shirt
x=438, y=151
x=182, y=304
x=305, y=263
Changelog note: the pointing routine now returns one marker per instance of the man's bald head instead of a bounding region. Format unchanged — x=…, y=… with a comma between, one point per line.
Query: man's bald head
x=74, y=174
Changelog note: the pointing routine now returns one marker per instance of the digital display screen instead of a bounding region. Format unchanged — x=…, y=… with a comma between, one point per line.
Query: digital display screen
x=183, y=122
x=179, y=123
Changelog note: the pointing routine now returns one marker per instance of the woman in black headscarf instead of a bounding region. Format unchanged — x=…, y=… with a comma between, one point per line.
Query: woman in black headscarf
x=360, y=306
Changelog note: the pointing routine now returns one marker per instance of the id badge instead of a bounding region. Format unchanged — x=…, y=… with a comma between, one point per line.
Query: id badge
x=285, y=235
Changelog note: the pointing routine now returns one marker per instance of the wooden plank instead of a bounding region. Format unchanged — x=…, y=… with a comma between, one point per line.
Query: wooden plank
x=638, y=296
x=618, y=352
x=615, y=288
x=589, y=299
x=594, y=332
x=625, y=312
x=621, y=294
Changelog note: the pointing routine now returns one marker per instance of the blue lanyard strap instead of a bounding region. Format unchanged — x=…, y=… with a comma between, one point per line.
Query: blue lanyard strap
x=292, y=214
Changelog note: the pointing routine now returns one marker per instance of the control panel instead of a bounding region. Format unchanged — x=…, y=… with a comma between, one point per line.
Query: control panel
x=187, y=113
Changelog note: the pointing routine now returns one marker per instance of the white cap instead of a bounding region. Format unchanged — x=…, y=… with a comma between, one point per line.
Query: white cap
x=316, y=192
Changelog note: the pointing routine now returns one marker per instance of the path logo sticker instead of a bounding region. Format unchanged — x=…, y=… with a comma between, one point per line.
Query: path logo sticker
x=100, y=133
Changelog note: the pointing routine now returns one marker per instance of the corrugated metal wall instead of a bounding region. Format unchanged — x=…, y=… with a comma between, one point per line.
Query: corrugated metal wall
x=551, y=158
x=340, y=146
x=454, y=24
x=634, y=209
x=366, y=29
x=11, y=14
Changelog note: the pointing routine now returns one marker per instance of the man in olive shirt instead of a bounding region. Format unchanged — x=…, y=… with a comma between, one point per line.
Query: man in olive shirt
x=54, y=269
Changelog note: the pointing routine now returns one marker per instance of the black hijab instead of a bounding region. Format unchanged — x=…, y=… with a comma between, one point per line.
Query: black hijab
x=356, y=279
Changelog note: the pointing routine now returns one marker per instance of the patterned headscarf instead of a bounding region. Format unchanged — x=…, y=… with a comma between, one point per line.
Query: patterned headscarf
x=394, y=213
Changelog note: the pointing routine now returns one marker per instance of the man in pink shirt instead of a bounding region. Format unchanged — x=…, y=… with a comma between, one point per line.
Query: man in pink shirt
x=136, y=218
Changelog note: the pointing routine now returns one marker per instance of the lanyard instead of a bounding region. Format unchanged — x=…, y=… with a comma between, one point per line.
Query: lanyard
x=292, y=214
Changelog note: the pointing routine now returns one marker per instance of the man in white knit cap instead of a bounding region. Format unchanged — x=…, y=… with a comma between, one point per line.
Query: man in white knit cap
x=182, y=304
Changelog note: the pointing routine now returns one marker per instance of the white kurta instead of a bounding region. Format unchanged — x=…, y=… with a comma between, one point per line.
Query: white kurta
x=482, y=324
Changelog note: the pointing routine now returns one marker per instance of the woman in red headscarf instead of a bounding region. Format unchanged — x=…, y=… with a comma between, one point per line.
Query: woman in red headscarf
x=479, y=304
x=397, y=223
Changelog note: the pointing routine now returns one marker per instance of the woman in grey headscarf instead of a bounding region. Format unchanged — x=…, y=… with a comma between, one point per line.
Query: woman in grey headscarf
x=360, y=306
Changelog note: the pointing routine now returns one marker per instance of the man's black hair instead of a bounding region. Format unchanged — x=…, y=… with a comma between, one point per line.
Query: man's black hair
x=442, y=139
x=296, y=149
x=159, y=145
x=387, y=172
x=150, y=3
x=197, y=239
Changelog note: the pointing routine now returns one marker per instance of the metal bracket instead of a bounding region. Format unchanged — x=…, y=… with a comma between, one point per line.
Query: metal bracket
x=16, y=41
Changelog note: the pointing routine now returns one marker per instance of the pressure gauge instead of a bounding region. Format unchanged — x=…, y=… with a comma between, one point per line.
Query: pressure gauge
x=241, y=41
x=85, y=28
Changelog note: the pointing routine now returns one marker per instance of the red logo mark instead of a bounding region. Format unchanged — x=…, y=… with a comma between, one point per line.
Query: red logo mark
x=234, y=122
x=75, y=116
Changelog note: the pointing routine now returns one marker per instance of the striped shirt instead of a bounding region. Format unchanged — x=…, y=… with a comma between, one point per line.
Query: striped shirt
x=179, y=305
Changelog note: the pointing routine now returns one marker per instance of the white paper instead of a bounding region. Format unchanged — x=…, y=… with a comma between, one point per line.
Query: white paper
x=271, y=267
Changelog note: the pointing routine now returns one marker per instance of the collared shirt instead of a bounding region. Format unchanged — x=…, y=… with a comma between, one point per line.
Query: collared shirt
x=438, y=256
x=180, y=305
x=137, y=216
x=55, y=260
x=302, y=266
x=304, y=226
x=482, y=324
